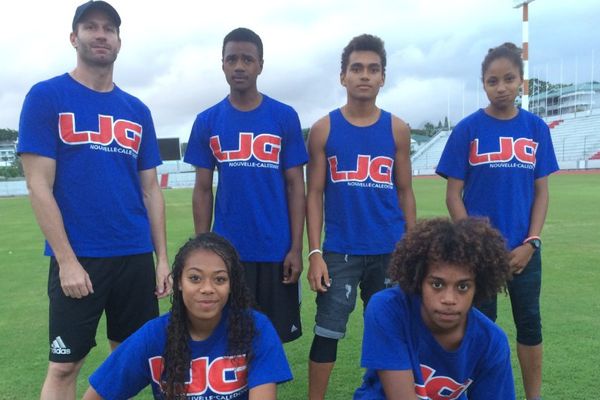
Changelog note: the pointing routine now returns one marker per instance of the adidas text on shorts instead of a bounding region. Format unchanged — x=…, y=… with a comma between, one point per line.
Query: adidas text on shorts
x=123, y=289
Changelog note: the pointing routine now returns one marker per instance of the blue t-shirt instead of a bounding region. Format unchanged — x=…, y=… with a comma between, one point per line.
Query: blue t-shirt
x=100, y=142
x=362, y=213
x=499, y=160
x=251, y=151
x=396, y=338
x=138, y=362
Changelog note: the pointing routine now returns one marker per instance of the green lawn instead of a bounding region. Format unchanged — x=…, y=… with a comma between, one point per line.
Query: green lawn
x=571, y=305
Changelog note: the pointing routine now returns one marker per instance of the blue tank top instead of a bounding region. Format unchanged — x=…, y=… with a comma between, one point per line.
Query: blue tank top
x=362, y=213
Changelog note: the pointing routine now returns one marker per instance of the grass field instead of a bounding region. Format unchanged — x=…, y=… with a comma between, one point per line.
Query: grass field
x=570, y=299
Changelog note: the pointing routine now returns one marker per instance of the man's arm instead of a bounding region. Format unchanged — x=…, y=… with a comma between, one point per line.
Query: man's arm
x=296, y=200
x=91, y=394
x=40, y=173
x=454, y=200
x=520, y=256
x=403, y=172
x=318, y=276
x=202, y=200
x=398, y=385
x=155, y=207
x=266, y=391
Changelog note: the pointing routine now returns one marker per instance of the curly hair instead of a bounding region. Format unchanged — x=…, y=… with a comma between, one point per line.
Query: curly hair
x=471, y=243
x=364, y=42
x=507, y=50
x=240, y=324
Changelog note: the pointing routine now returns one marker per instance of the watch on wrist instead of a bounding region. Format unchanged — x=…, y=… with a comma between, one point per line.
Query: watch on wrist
x=535, y=243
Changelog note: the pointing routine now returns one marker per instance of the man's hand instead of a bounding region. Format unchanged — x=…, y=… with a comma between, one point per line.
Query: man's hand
x=318, y=275
x=74, y=280
x=163, y=280
x=292, y=267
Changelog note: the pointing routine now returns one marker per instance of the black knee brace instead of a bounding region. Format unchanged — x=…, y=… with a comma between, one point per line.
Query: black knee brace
x=323, y=350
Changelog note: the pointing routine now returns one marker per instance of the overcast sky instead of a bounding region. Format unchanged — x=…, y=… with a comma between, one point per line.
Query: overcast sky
x=171, y=51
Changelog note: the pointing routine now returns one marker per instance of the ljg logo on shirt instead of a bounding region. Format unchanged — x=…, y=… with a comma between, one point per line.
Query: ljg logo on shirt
x=126, y=133
x=523, y=149
x=439, y=387
x=223, y=375
x=378, y=169
x=265, y=148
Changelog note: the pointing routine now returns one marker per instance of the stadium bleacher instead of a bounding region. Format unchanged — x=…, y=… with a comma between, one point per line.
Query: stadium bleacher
x=427, y=157
x=576, y=138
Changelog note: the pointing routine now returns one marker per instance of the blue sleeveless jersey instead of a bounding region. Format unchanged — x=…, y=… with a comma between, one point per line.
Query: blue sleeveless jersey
x=362, y=213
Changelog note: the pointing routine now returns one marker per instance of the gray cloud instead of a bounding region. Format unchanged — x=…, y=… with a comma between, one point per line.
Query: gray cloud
x=171, y=52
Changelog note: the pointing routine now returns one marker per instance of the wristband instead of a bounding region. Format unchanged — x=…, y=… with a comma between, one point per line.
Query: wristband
x=310, y=253
x=530, y=238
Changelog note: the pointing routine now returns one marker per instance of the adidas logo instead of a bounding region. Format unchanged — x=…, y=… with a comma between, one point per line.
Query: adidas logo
x=294, y=328
x=58, y=347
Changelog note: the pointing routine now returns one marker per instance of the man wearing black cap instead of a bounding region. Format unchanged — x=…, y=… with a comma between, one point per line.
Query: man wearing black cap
x=90, y=153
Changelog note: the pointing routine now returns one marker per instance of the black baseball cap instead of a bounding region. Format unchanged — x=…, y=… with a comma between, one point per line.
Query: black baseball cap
x=96, y=5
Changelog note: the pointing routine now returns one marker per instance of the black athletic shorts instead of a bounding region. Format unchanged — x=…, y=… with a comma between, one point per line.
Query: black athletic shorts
x=123, y=288
x=279, y=301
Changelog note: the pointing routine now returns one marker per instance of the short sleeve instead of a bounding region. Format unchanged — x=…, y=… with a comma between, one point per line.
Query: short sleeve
x=126, y=371
x=494, y=378
x=149, y=155
x=545, y=156
x=294, y=150
x=198, y=152
x=38, y=123
x=269, y=363
x=454, y=161
x=385, y=345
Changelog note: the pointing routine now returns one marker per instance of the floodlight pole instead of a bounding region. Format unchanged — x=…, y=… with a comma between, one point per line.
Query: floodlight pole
x=525, y=5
